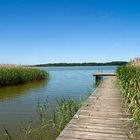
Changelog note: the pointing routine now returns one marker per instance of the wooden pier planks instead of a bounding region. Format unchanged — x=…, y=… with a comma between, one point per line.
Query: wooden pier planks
x=104, y=74
x=101, y=118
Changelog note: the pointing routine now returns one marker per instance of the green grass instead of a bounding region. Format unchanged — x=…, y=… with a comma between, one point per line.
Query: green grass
x=129, y=79
x=13, y=75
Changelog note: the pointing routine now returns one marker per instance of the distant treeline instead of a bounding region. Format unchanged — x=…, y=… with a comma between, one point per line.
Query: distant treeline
x=114, y=63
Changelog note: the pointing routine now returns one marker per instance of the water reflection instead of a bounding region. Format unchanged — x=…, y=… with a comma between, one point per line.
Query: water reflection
x=12, y=92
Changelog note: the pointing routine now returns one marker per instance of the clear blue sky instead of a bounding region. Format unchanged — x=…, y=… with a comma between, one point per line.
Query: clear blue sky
x=46, y=31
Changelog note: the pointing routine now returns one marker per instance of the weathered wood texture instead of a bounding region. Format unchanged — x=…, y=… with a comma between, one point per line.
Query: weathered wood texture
x=104, y=74
x=101, y=117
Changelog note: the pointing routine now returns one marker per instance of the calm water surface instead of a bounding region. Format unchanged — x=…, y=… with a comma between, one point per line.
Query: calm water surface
x=18, y=103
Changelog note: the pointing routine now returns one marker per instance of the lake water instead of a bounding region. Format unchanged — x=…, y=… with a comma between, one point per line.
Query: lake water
x=18, y=103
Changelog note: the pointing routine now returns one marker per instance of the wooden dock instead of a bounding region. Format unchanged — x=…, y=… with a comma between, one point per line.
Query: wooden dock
x=99, y=76
x=104, y=74
x=101, y=118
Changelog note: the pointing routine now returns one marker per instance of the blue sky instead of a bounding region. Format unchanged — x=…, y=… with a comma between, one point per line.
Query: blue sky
x=47, y=31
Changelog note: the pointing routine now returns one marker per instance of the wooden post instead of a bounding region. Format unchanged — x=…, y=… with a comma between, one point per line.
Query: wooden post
x=98, y=79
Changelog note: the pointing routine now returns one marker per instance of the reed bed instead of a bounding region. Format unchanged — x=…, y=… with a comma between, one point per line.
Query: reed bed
x=135, y=62
x=129, y=79
x=16, y=74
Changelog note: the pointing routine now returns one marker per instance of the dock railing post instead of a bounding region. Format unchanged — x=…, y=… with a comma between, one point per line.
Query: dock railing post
x=98, y=79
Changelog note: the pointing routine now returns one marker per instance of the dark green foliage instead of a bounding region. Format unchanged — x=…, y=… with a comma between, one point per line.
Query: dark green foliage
x=129, y=78
x=114, y=63
x=12, y=75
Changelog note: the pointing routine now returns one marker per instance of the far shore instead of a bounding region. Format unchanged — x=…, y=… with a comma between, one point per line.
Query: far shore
x=113, y=63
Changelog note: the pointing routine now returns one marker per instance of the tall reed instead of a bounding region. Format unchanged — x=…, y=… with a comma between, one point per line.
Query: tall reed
x=14, y=74
x=129, y=79
x=135, y=62
x=50, y=126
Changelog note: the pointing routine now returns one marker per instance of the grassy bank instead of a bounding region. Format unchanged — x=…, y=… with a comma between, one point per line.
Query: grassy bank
x=14, y=74
x=129, y=79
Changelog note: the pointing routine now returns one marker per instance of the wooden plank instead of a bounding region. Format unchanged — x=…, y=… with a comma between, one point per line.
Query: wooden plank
x=91, y=135
x=101, y=117
x=104, y=74
x=96, y=127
